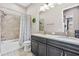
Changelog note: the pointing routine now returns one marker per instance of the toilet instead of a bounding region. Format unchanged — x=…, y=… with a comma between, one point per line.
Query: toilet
x=27, y=45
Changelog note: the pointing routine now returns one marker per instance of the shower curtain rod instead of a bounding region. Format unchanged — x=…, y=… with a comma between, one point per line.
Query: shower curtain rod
x=2, y=12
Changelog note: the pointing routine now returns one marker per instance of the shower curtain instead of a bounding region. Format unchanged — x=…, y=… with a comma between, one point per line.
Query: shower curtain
x=25, y=28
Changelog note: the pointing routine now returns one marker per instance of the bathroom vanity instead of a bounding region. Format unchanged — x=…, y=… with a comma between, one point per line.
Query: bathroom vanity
x=52, y=45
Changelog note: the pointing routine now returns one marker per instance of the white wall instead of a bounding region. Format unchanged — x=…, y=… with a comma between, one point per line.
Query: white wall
x=12, y=8
x=53, y=20
x=33, y=10
x=54, y=16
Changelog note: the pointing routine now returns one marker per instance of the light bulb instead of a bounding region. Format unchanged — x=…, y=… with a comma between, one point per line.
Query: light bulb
x=51, y=5
x=42, y=8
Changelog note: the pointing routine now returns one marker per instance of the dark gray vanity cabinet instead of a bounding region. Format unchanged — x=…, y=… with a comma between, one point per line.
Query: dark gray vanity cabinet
x=68, y=53
x=50, y=47
x=42, y=49
x=54, y=51
x=38, y=46
x=34, y=47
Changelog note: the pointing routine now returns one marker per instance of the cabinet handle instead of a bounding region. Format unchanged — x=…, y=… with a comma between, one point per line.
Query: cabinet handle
x=62, y=54
x=65, y=54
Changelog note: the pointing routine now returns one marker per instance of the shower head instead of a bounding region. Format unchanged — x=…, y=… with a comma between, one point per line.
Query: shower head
x=3, y=13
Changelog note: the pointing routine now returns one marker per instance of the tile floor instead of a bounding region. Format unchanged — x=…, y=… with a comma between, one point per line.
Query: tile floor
x=19, y=52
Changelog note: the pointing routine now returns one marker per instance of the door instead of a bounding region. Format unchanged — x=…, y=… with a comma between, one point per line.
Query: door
x=53, y=51
x=69, y=28
x=34, y=47
x=42, y=49
x=70, y=32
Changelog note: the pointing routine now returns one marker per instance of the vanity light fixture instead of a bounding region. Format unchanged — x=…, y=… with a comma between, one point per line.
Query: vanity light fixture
x=42, y=8
x=46, y=6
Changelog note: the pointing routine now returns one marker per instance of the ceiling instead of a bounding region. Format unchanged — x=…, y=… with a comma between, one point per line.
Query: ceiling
x=25, y=5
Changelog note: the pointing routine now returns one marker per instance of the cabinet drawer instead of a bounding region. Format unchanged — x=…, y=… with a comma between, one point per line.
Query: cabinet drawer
x=40, y=39
x=64, y=45
x=34, y=47
x=54, y=43
x=34, y=38
x=53, y=51
x=67, y=53
x=42, y=49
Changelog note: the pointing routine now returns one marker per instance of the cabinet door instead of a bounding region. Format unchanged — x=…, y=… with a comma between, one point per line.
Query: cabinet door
x=67, y=53
x=34, y=47
x=53, y=51
x=42, y=49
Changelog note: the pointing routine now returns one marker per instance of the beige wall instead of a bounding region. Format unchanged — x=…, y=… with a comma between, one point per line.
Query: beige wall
x=0, y=24
x=10, y=27
x=54, y=17
x=53, y=20
x=73, y=12
x=11, y=23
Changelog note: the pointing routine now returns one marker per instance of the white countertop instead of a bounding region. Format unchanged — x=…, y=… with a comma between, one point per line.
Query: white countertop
x=71, y=40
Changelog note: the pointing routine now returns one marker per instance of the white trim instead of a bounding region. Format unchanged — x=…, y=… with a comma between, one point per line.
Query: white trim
x=10, y=11
x=70, y=7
